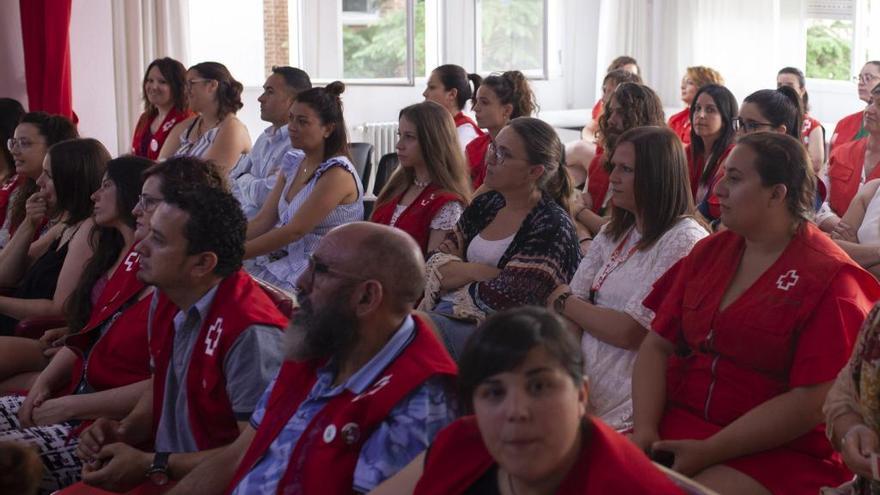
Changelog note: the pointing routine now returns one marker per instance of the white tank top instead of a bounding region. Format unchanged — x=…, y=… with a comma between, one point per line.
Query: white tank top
x=487, y=252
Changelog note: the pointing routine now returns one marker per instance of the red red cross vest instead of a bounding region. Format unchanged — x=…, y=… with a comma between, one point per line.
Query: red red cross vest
x=323, y=462
x=416, y=218
x=6, y=189
x=597, y=181
x=845, y=174
x=120, y=356
x=461, y=119
x=680, y=124
x=608, y=463
x=475, y=152
x=238, y=304
x=151, y=149
x=810, y=124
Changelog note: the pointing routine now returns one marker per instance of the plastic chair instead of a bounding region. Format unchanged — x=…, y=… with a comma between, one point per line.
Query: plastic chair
x=387, y=165
x=362, y=159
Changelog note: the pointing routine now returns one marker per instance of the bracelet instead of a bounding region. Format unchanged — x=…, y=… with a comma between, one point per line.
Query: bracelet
x=581, y=210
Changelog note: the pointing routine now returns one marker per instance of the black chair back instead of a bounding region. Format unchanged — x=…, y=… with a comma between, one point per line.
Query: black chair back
x=387, y=165
x=362, y=158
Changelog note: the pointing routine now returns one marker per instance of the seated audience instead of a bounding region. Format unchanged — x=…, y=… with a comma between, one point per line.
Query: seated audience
x=713, y=131
x=36, y=132
x=694, y=78
x=20, y=469
x=858, y=232
x=652, y=226
x=850, y=127
x=165, y=106
x=317, y=189
x=45, y=272
x=427, y=194
x=529, y=429
x=11, y=113
x=629, y=106
x=624, y=63
x=450, y=87
x=500, y=98
x=363, y=374
x=851, y=165
x=514, y=244
x=750, y=330
x=812, y=132
x=214, y=133
x=579, y=154
x=214, y=342
x=851, y=411
x=254, y=176
x=101, y=378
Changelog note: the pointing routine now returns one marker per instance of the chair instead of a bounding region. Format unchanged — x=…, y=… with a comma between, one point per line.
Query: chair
x=387, y=165
x=362, y=158
x=284, y=301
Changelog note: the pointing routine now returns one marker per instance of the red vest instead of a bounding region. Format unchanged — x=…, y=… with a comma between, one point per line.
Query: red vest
x=847, y=129
x=810, y=124
x=319, y=465
x=120, y=357
x=475, y=152
x=9, y=186
x=597, y=110
x=151, y=149
x=597, y=181
x=696, y=166
x=680, y=123
x=238, y=304
x=608, y=463
x=461, y=119
x=416, y=218
x=845, y=174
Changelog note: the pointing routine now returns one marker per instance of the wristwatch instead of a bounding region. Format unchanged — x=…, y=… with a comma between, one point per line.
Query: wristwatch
x=158, y=471
x=559, y=303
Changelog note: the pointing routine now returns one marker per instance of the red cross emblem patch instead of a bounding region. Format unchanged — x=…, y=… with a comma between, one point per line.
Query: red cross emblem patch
x=787, y=280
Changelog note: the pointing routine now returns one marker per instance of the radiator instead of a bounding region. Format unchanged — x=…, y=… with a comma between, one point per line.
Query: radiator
x=383, y=137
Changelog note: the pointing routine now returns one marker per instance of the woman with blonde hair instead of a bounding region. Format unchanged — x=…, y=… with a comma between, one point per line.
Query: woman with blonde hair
x=694, y=78
x=428, y=193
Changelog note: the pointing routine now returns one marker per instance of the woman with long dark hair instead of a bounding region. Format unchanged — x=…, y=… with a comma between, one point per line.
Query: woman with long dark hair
x=165, y=106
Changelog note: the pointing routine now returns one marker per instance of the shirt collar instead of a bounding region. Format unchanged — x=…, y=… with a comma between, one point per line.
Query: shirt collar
x=201, y=307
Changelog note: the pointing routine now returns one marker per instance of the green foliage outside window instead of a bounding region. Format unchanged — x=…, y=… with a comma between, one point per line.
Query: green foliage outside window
x=512, y=33
x=829, y=49
x=379, y=50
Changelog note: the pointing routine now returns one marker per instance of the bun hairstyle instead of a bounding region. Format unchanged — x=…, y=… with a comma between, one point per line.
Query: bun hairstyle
x=513, y=88
x=174, y=74
x=544, y=148
x=326, y=102
x=781, y=106
x=455, y=77
x=228, y=89
x=802, y=81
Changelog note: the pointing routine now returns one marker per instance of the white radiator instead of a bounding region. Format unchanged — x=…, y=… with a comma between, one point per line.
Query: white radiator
x=383, y=137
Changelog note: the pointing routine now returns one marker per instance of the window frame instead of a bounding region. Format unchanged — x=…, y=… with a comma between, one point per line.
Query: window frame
x=541, y=74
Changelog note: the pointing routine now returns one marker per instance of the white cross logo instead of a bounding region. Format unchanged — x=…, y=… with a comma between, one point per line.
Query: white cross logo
x=213, y=336
x=787, y=280
x=379, y=385
x=130, y=260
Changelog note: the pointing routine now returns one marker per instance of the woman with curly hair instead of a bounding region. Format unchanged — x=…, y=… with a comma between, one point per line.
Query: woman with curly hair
x=694, y=78
x=214, y=133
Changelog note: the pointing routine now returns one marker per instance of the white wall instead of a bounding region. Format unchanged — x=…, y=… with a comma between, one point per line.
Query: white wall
x=12, y=83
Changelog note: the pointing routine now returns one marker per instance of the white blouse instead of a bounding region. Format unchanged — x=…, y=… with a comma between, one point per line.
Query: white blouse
x=608, y=367
x=869, y=230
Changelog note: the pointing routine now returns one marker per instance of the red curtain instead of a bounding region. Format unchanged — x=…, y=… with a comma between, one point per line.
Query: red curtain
x=45, y=27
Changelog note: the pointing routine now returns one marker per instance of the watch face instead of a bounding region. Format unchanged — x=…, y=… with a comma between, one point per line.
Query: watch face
x=159, y=478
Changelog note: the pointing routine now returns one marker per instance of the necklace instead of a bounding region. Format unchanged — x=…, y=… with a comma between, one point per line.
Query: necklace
x=418, y=183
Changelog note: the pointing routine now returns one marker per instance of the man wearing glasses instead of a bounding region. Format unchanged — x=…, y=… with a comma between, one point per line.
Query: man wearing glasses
x=365, y=387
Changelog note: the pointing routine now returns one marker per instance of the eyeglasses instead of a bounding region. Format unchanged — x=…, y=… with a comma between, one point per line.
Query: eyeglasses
x=191, y=82
x=748, y=125
x=499, y=156
x=22, y=143
x=316, y=266
x=865, y=78
x=148, y=203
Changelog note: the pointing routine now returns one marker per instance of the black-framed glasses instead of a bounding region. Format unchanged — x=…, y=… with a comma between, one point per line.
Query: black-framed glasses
x=499, y=156
x=749, y=125
x=148, y=203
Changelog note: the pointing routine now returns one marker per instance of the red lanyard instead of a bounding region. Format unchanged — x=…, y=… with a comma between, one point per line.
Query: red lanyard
x=613, y=263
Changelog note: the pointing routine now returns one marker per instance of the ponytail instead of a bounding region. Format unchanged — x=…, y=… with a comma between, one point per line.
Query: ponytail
x=544, y=148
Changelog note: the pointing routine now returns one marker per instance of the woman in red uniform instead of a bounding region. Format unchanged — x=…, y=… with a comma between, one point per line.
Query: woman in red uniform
x=450, y=86
x=812, y=132
x=850, y=128
x=500, y=99
x=165, y=106
x=521, y=379
x=750, y=330
x=712, y=134
x=694, y=78
x=624, y=63
x=429, y=192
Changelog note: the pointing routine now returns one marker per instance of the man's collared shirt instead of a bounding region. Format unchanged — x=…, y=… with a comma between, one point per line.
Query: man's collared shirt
x=254, y=175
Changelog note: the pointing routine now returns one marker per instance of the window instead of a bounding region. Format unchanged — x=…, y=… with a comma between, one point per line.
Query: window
x=511, y=35
x=229, y=32
x=841, y=36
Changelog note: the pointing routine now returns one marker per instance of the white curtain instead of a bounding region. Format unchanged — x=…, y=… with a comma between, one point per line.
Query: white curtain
x=143, y=30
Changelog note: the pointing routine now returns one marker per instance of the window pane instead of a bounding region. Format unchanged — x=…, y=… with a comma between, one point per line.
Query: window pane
x=829, y=49
x=229, y=32
x=511, y=35
x=374, y=41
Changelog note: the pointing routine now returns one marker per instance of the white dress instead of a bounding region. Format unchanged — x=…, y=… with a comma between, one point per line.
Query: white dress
x=608, y=367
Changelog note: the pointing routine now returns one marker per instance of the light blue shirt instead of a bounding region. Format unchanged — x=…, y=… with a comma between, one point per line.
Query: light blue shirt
x=407, y=431
x=254, y=175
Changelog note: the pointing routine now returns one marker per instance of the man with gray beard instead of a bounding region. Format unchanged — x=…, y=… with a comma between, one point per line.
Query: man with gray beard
x=366, y=385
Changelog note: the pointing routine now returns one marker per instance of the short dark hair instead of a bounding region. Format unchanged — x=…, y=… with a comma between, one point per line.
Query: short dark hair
x=802, y=81
x=175, y=74
x=295, y=79
x=621, y=62
x=502, y=342
x=182, y=172
x=454, y=76
x=77, y=166
x=216, y=224
x=783, y=159
x=780, y=106
x=620, y=76
x=228, y=89
x=326, y=102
